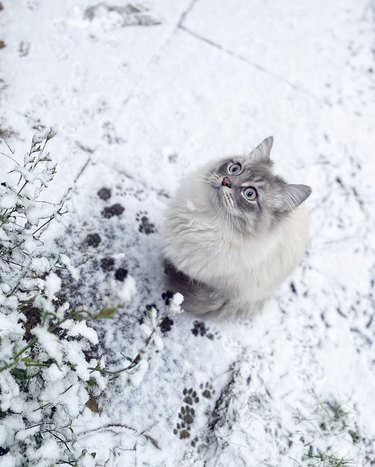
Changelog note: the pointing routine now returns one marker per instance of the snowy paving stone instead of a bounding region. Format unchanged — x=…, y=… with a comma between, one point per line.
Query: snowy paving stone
x=245, y=32
x=72, y=101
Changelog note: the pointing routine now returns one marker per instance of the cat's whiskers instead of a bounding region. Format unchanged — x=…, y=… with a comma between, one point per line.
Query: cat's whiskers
x=202, y=181
x=228, y=229
x=219, y=217
x=223, y=231
x=230, y=200
x=235, y=222
x=216, y=215
x=231, y=231
x=232, y=219
x=205, y=179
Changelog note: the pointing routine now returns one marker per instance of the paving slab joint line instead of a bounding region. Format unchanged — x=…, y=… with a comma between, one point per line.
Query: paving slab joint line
x=157, y=54
x=77, y=177
x=155, y=57
x=186, y=13
x=82, y=169
x=252, y=64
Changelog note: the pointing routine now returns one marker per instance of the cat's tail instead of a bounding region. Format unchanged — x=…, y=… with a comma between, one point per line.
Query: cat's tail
x=199, y=298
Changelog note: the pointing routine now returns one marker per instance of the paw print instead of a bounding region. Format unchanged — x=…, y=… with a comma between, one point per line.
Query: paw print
x=104, y=193
x=110, y=134
x=167, y=297
x=194, y=441
x=190, y=396
x=172, y=158
x=207, y=390
x=166, y=325
x=200, y=329
x=114, y=210
x=107, y=264
x=145, y=226
x=213, y=335
x=182, y=431
x=93, y=240
x=186, y=415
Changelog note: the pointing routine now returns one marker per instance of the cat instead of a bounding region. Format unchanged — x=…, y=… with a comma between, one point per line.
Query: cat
x=233, y=232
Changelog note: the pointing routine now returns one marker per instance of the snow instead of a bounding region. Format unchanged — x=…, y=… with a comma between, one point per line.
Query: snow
x=54, y=373
x=52, y=285
x=10, y=393
x=46, y=453
x=9, y=324
x=81, y=329
x=24, y=434
x=140, y=95
x=125, y=291
x=176, y=303
x=8, y=460
x=50, y=343
x=139, y=373
x=3, y=435
x=75, y=357
x=40, y=265
x=7, y=202
x=65, y=260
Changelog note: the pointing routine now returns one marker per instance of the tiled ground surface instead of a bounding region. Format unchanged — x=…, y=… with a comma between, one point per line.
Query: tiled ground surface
x=141, y=96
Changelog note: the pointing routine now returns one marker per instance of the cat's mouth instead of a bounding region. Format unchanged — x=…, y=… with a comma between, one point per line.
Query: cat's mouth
x=222, y=192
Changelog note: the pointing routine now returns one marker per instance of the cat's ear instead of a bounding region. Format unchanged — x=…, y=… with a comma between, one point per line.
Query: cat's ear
x=292, y=196
x=262, y=152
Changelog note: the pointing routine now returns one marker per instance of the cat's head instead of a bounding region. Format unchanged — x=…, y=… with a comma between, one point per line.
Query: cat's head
x=245, y=190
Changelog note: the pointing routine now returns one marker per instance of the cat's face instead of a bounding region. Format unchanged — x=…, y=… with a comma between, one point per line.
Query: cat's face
x=245, y=191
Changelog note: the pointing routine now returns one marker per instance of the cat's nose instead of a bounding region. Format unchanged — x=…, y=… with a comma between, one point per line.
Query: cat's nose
x=226, y=182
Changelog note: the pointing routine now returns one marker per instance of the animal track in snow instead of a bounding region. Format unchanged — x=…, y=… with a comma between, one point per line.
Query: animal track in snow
x=145, y=226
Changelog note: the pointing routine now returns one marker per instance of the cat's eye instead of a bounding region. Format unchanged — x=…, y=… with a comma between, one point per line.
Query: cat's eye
x=250, y=193
x=234, y=169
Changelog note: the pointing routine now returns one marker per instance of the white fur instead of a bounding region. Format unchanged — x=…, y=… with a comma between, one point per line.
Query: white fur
x=246, y=269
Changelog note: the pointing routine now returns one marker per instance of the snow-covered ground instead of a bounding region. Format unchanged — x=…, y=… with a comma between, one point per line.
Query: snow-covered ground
x=142, y=93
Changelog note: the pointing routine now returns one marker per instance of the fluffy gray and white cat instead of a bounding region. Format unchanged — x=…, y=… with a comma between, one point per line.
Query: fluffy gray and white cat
x=233, y=233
